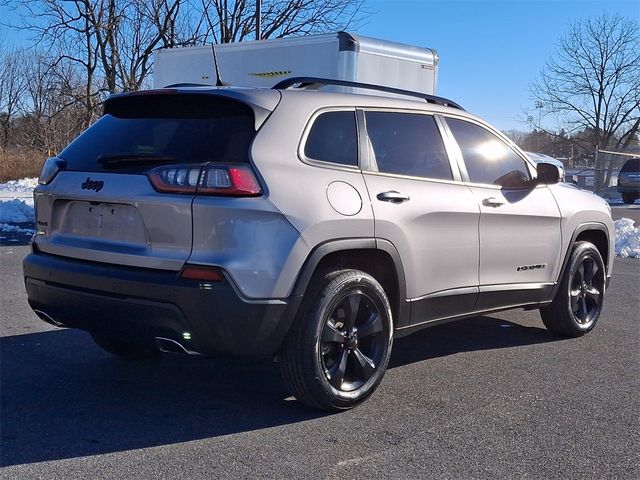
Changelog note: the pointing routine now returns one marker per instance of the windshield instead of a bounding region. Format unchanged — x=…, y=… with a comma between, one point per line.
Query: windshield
x=632, y=165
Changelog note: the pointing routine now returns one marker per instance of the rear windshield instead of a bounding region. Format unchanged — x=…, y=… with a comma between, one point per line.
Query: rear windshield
x=632, y=165
x=137, y=130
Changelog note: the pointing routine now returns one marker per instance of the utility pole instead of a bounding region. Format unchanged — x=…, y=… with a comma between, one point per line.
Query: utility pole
x=572, y=159
x=529, y=139
x=258, y=18
x=596, y=170
x=539, y=106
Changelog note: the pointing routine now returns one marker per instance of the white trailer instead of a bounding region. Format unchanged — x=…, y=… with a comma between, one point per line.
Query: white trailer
x=263, y=63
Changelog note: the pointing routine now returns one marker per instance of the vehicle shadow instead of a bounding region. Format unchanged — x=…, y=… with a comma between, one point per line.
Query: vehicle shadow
x=471, y=334
x=62, y=397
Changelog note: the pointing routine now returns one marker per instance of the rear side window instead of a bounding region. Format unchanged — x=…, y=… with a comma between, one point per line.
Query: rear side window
x=487, y=157
x=333, y=138
x=175, y=128
x=408, y=144
x=632, y=165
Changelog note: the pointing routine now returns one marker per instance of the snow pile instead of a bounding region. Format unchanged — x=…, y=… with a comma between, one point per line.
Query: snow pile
x=627, y=239
x=16, y=211
x=18, y=188
x=6, y=228
x=16, y=205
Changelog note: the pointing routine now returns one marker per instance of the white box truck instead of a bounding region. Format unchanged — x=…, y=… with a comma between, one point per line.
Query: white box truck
x=337, y=56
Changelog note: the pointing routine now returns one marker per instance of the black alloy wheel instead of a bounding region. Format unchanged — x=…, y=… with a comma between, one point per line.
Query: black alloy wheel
x=586, y=290
x=352, y=344
x=629, y=198
x=338, y=349
x=578, y=302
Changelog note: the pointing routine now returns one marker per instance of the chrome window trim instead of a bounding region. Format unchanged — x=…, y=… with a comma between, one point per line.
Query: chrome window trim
x=498, y=187
x=527, y=162
x=453, y=150
x=365, y=154
x=409, y=177
x=323, y=163
x=371, y=157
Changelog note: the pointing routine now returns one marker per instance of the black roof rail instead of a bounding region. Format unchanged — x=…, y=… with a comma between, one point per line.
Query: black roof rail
x=289, y=82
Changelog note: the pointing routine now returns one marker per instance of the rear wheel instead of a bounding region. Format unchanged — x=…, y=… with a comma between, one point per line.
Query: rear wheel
x=337, y=352
x=629, y=198
x=578, y=301
x=123, y=349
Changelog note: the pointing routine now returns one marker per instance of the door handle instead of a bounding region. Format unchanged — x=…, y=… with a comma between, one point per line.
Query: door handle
x=492, y=202
x=393, y=197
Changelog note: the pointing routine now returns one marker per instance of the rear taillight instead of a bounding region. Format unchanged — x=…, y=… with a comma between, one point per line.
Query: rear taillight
x=175, y=178
x=210, y=179
x=50, y=169
x=233, y=180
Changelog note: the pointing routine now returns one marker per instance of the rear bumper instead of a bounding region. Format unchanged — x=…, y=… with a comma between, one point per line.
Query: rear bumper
x=141, y=304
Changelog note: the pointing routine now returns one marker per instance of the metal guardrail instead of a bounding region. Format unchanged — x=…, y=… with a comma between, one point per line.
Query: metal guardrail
x=624, y=154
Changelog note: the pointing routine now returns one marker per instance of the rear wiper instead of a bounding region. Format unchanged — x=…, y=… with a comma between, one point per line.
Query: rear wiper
x=132, y=159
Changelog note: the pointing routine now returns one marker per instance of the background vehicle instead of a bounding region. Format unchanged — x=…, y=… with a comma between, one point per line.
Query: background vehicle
x=629, y=180
x=309, y=225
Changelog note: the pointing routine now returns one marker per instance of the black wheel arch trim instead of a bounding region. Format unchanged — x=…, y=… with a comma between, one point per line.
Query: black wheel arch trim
x=583, y=227
x=344, y=244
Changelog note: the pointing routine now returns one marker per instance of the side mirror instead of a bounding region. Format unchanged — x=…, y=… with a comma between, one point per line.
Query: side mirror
x=547, y=173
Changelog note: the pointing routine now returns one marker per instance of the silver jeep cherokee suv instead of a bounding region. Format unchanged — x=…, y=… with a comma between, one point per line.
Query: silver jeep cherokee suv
x=309, y=225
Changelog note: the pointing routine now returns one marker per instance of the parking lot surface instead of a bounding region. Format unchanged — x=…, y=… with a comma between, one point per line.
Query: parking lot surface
x=489, y=397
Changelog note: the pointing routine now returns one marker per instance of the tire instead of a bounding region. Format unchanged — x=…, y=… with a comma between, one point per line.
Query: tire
x=629, y=198
x=338, y=349
x=578, y=302
x=125, y=350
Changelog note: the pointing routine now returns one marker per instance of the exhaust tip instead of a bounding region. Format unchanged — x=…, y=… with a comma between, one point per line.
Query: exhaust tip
x=167, y=345
x=45, y=317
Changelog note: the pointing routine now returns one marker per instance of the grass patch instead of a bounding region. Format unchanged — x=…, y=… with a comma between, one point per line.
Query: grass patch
x=17, y=164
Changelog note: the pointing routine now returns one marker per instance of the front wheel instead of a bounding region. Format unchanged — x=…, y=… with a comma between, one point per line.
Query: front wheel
x=578, y=302
x=629, y=198
x=337, y=351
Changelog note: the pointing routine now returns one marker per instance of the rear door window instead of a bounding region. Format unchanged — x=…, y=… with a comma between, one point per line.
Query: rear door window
x=487, y=157
x=176, y=128
x=333, y=138
x=408, y=144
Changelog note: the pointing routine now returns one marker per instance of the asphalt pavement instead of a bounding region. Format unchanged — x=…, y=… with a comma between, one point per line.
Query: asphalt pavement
x=626, y=211
x=489, y=397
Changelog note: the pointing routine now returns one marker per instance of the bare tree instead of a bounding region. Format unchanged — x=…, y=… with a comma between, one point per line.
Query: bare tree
x=52, y=112
x=227, y=21
x=112, y=41
x=84, y=49
x=12, y=86
x=592, y=85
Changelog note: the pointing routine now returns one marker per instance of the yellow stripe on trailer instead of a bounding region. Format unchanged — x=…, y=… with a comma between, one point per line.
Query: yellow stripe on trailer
x=279, y=73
